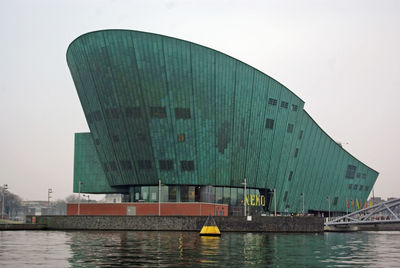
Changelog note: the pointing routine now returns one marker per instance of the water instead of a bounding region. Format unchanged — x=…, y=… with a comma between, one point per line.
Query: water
x=174, y=249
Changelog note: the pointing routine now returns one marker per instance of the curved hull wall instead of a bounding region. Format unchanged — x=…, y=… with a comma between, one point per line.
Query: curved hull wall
x=150, y=98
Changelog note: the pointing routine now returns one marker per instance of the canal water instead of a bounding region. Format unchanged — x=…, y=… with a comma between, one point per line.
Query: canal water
x=186, y=249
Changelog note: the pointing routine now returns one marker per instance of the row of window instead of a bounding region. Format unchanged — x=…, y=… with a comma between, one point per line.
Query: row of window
x=136, y=112
x=359, y=187
x=351, y=173
x=165, y=165
x=335, y=200
x=284, y=104
x=269, y=124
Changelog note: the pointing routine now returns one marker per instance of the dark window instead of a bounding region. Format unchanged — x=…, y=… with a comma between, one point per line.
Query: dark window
x=112, y=113
x=105, y=167
x=284, y=104
x=133, y=112
x=364, y=176
x=335, y=201
x=158, y=112
x=350, y=186
x=269, y=124
x=182, y=113
x=300, y=134
x=294, y=107
x=97, y=142
x=351, y=171
x=126, y=164
x=290, y=175
x=115, y=138
x=187, y=165
x=166, y=164
x=272, y=101
x=296, y=152
x=285, y=196
x=113, y=166
x=358, y=175
x=97, y=116
x=355, y=186
x=181, y=137
x=89, y=118
x=144, y=164
x=361, y=187
x=366, y=188
x=290, y=128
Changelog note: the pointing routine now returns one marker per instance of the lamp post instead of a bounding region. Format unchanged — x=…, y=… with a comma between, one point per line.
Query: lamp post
x=49, y=191
x=244, y=198
x=79, y=198
x=5, y=187
x=275, y=202
x=303, y=211
x=159, y=197
x=86, y=195
x=329, y=208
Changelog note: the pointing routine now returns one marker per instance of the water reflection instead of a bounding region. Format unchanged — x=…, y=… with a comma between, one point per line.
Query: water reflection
x=171, y=249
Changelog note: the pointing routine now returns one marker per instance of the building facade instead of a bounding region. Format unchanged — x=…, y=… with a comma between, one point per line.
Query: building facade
x=164, y=110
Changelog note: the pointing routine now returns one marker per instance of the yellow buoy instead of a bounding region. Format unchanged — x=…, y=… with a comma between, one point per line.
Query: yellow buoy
x=210, y=228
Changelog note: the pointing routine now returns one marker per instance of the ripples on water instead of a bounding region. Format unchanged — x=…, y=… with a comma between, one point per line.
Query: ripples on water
x=171, y=249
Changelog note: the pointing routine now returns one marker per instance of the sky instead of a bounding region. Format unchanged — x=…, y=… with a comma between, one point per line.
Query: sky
x=341, y=57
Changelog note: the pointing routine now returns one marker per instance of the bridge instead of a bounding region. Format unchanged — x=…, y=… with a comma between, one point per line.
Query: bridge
x=383, y=213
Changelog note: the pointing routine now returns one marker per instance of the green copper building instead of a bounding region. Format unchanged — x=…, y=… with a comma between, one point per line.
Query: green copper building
x=200, y=121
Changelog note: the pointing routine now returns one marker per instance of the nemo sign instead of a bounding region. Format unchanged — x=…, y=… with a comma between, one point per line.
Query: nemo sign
x=255, y=200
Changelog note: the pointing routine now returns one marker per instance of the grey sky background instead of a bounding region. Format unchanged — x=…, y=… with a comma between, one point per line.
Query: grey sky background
x=341, y=57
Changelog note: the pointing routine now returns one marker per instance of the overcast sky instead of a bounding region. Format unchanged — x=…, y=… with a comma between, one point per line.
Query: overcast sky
x=341, y=57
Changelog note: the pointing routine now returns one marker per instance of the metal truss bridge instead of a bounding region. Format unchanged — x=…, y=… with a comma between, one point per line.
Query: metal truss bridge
x=387, y=212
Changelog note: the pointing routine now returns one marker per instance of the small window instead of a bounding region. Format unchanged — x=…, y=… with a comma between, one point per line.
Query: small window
x=351, y=171
x=285, y=196
x=335, y=201
x=294, y=107
x=300, y=134
x=272, y=101
x=158, y=112
x=112, y=113
x=296, y=152
x=366, y=188
x=133, y=112
x=284, y=104
x=358, y=175
x=269, y=123
x=290, y=175
x=182, y=113
x=144, y=164
x=361, y=187
x=113, y=166
x=364, y=176
x=181, y=137
x=355, y=186
x=290, y=128
x=115, y=138
x=166, y=164
x=350, y=186
x=105, y=167
x=187, y=165
x=126, y=164
x=89, y=118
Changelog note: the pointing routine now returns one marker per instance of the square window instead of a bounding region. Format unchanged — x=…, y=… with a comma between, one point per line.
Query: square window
x=351, y=171
x=364, y=176
x=350, y=186
x=272, y=101
x=300, y=134
x=361, y=187
x=284, y=104
x=358, y=175
x=296, y=152
x=294, y=108
x=366, y=188
x=115, y=138
x=97, y=116
x=181, y=137
x=133, y=112
x=182, y=113
x=269, y=123
x=166, y=164
x=290, y=175
x=290, y=128
x=126, y=164
x=112, y=113
x=355, y=186
x=113, y=166
x=158, y=112
x=187, y=165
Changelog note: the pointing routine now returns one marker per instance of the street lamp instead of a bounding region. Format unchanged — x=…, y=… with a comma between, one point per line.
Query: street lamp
x=79, y=198
x=329, y=208
x=244, y=197
x=5, y=187
x=303, y=211
x=49, y=191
